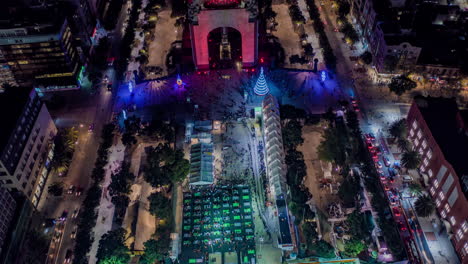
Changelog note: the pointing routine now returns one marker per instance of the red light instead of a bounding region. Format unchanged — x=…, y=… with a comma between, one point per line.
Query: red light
x=261, y=60
x=198, y=73
x=253, y=70
x=240, y=57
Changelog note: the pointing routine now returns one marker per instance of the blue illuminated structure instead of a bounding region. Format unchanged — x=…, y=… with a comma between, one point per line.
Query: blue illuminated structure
x=124, y=114
x=261, y=87
x=130, y=86
x=323, y=76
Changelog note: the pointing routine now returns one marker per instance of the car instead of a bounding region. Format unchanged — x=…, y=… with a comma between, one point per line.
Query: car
x=78, y=191
x=106, y=79
x=75, y=213
x=402, y=226
x=372, y=137
x=378, y=164
x=375, y=158
x=391, y=172
x=68, y=256
x=71, y=189
x=393, y=200
x=396, y=211
x=64, y=215
x=386, y=161
x=73, y=232
x=369, y=146
x=356, y=108
x=386, y=188
x=109, y=87
x=91, y=128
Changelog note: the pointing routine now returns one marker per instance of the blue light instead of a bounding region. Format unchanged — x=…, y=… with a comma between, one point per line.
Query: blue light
x=323, y=76
x=261, y=87
x=124, y=114
x=130, y=87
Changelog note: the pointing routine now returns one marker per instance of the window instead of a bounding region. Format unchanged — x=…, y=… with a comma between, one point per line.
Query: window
x=430, y=173
x=437, y=202
x=415, y=124
x=436, y=183
x=419, y=134
x=465, y=226
x=441, y=196
x=465, y=248
x=424, y=144
x=411, y=133
x=459, y=234
x=452, y=221
x=443, y=214
x=426, y=162
x=429, y=154
x=432, y=190
x=447, y=208
x=441, y=172
x=447, y=184
x=453, y=197
x=416, y=142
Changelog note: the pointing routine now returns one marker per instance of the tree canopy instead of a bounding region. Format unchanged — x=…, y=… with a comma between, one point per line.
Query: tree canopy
x=323, y=249
x=160, y=206
x=292, y=134
x=424, y=206
x=155, y=250
x=353, y=247
x=398, y=129
x=411, y=159
x=401, y=84
x=165, y=166
x=112, y=248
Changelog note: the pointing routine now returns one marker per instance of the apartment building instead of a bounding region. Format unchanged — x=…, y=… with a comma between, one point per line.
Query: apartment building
x=411, y=35
x=439, y=131
x=7, y=210
x=37, y=49
x=26, y=142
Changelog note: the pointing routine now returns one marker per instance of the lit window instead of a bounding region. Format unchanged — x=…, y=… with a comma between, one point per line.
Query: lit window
x=416, y=142
x=465, y=226
x=424, y=144
x=429, y=172
x=465, y=247
x=415, y=124
x=432, y=190
x=436, y=183
x=452, y=220
x=429, y=154
x=422, y=168
x=443, y=214
x=441, y=196
x=426, y=162
x=411, y=133
x=437, y=202
x=447, y=208
x=459, y=234
x=419, y=134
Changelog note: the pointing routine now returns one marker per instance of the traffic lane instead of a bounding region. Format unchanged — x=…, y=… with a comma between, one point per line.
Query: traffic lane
x=70, y=223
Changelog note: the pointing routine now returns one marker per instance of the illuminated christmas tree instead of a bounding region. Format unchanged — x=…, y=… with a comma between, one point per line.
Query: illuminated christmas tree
x=261, y=87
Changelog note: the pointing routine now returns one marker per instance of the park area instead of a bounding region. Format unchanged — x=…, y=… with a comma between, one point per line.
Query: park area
x=218, y=225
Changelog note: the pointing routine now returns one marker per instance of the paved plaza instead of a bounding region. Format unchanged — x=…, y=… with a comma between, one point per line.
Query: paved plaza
x=218, y=219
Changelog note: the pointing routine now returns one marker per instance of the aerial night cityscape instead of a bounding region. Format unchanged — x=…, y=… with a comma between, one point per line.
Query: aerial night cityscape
x=233, y=131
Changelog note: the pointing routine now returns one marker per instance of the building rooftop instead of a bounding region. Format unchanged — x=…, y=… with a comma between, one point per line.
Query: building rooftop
x=447, y=127
x=12, y=103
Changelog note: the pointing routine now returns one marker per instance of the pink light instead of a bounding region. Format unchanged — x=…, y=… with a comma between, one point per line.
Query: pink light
x=94, y=33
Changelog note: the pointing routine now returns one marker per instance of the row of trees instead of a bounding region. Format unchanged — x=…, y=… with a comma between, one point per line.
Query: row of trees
x=128, y=38
x=65, y=142
x=120, y=188
x=401, y=84
x=328, y=54
x=88, y=214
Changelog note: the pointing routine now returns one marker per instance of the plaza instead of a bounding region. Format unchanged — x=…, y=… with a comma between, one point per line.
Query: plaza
x=218, y=223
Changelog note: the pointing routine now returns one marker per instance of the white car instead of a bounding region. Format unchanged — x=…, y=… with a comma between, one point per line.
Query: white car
x=71, y=189
x=75, y=213
x=73, y=233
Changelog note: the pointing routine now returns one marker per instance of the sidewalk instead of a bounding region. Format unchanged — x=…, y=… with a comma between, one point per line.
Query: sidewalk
x=106, y=208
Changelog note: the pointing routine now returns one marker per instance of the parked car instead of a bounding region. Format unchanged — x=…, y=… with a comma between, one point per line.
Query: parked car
x=386, y=161
x=71, y=189
x=64, y=215
x=68, y=256
x=402, y=226
x=378, y=164
x=396, y=211
x=78, y=191
x=73, y=232
x=75, y=213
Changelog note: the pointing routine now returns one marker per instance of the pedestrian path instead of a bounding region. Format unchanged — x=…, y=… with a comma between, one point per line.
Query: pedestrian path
x=106, y=208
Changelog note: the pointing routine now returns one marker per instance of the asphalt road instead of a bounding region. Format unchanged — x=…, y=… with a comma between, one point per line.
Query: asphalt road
x=82, y=111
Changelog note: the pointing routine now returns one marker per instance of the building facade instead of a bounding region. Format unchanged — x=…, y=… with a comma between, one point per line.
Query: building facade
x=26, y=143
x=439, y=132
x=7, y=210
x=40, y=55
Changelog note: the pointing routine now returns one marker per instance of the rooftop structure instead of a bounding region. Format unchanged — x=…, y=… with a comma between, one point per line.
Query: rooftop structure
x=439, y=132
x=201, y=164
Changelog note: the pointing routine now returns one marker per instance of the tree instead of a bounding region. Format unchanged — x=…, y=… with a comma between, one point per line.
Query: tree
x=55, y=189
x=128, y=139
x=359, y=228
x=424, y=206
x=403, y=144
x=34, y=250
x=112, y=247
x=165, y=166
x=398, y=129
x=366, y=57
x=291, y=112
x=323, y=249
x=415, y=189
x=411, y=159
x=155, y=250
x=122, y=181
x=333, y=146
x=160, y=205
x=353, y=123
x=401, y=84
x=353, y=247
x=348, y=191
x=344, y=8
x=292, y=134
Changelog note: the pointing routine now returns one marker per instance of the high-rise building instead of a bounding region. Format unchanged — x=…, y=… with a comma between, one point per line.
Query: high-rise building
x=439, y=132
x=37, y=49
x=26, y=142
x=7, y=210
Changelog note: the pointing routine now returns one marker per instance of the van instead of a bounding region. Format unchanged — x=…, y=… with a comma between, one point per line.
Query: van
x=407, y=178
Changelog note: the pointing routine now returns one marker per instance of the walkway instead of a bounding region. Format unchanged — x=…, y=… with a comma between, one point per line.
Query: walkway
x=106, y=208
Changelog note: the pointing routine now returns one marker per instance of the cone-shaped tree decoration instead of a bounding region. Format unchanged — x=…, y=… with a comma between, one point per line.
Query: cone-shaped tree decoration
x=261, y=87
